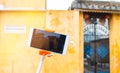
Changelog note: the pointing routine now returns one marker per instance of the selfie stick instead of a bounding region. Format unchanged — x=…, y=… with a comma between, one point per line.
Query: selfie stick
x=43, y=53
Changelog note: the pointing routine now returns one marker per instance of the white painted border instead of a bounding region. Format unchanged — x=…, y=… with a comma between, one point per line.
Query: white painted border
x=15, y=29
x=30, y=37
x=65, y=45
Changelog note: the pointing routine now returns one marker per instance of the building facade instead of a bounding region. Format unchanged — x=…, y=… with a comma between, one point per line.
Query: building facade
x=85, y=45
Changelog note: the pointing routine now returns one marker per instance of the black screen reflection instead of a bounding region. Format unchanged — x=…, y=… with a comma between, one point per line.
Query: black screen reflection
x=48, y=41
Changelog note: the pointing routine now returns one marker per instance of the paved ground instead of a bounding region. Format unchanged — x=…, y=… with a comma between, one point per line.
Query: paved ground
x=101, y=68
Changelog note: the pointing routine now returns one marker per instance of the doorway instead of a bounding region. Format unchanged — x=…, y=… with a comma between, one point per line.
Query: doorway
x=96, y=43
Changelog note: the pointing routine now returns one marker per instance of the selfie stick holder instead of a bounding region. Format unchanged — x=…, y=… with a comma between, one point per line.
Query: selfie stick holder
x=43, y=54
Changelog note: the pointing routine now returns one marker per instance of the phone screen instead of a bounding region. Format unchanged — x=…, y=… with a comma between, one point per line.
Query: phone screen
x=49, y=41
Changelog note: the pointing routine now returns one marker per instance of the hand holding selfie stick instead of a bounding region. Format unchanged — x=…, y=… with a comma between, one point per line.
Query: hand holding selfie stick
x=43, y=53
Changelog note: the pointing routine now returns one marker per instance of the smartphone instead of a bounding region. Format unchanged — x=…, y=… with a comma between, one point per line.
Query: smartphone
x=50, y=41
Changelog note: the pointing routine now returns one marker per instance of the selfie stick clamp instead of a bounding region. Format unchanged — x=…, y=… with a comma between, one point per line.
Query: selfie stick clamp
x=43, y=54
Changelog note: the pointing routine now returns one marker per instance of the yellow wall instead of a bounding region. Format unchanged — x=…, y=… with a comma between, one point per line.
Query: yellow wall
x=66, y=22
x=115, y=44
x=23, y=3
x=16, y=57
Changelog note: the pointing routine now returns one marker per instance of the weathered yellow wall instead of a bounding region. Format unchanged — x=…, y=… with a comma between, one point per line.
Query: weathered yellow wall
x=66, y=22
x=16, y=57
x=23, y=3
x=81, y=41
x=115, y=44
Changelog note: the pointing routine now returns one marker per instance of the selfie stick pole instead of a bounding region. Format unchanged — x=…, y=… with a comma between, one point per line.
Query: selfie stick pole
x=43, y=53
x=40, y=64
